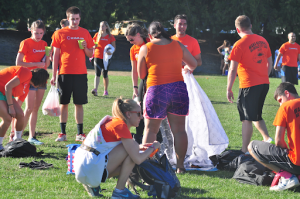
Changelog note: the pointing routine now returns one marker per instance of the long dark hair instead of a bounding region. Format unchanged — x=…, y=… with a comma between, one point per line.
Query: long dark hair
x=157, y=30
x=134, y=29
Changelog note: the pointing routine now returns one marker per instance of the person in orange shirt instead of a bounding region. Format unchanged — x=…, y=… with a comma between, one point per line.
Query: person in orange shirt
x=290, y=53
x=32, y=55
x=251, y=59
x=14, y=83
x=117, y=151
x=103, y=38
x=161, y=59
x=279, y=157
x=72, y=70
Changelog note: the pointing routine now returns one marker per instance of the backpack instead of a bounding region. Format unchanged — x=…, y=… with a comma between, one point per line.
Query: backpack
x=254, y=173
x=224, y=159
x=70, y=158
x=160, y=177
x=19, y=148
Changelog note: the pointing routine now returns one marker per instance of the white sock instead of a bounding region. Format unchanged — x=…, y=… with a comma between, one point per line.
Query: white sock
x=18, y=135
x=1, y=140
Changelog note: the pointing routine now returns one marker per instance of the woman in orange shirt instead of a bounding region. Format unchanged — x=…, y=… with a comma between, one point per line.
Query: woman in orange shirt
x=109, y=150
x=166, y=95
x=32, y=55
x=103, y=38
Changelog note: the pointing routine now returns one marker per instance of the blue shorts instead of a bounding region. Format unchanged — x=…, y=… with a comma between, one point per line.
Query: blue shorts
x=3, y=97
x=31, y=88
x=166, y=98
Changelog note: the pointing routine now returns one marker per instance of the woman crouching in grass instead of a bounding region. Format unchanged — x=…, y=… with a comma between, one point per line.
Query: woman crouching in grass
x=109, y=150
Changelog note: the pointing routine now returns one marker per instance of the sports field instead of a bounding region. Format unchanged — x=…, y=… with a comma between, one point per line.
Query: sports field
x=54, y=183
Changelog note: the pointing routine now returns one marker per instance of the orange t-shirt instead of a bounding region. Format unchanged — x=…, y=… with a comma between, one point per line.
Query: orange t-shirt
x=24, y=75
x=101, y=45
x=135, y=49
x=190, y=43
x=252, y=53
x=33, y=51
x=290, y=54
x=115, y=129
x=288, y=116
x=164, y=63
x=72, y=58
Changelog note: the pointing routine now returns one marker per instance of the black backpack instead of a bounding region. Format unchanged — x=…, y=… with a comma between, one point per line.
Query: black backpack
x=223, y=161
x=160, y=177
x=19, y=148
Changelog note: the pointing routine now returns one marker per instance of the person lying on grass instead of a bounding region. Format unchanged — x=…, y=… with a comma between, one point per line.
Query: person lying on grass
x=109, y=150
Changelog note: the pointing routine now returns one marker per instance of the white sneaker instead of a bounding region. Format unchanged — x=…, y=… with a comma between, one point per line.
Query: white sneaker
x=61, y=137
x=286, y=183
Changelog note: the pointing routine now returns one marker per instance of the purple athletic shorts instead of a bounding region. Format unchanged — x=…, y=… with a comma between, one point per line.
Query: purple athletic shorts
x=166, y=98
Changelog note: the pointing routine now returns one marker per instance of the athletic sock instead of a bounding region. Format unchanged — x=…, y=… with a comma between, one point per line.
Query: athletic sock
x=63, y=128
x=1, y=140
x=79, y=129
x=18, y=135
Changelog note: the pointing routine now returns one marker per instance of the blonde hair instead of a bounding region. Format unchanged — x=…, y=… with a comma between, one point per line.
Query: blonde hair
x=121, y=106
x=100, y=30
x=38, y=24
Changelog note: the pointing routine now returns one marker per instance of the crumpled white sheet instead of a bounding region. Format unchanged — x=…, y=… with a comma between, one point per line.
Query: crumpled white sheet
x=206, y=136
x=106, y=57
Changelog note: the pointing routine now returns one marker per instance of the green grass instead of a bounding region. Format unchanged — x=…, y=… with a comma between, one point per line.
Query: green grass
x=54, y=183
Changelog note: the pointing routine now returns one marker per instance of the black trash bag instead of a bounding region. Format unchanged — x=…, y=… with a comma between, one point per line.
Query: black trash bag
x=19, y=148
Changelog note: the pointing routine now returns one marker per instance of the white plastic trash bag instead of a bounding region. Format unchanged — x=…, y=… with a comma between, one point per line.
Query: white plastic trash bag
x=106, y=57
x=51, y=104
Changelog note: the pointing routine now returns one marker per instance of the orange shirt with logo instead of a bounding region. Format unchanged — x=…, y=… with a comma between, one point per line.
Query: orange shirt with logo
x=24, y=75
x=101, y=45
x=290, y=54
x=164, y=63
x=115, y=129
x=190, y=43
x=72, y=58
x=135, y=49
x=252, y=53
x=33, y=51
x=288, y=116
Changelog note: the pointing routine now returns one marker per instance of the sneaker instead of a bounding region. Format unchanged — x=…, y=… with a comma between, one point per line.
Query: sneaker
x=94, y=192
x=94, y=92
x=105, y=93
x=286, y=183
x=271, y=141
x=125, y=193
x=61, y=137
x=80, y=137
x=1, y=147
x=34, y=141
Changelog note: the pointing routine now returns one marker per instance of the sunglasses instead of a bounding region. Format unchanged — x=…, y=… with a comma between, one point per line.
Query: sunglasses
x=131, y=40
x=137, y=112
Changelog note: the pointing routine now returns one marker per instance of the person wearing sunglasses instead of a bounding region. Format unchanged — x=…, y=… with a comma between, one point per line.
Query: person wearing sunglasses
x=109, y=150
x=166, y=94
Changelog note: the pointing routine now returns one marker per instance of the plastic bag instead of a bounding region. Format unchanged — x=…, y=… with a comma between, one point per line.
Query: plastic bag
x=51, y=104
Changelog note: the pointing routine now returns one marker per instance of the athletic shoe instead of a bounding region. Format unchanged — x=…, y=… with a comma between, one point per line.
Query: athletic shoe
x=125, y=193
x=34, y=141
x=271, y=141
x=61, y=137
x=105, y=93
x=1, y=147
x=94, y=92
x=80, y=137
x=94, y=192
x=286, y=183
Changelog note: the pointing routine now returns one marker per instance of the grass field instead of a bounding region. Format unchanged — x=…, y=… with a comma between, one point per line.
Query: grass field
x=54, y=183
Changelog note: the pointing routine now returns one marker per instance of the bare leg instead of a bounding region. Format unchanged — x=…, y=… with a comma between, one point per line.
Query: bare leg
x=96, y=82
x=64, y=113
x=224, y=68
x=151, y=129
x=19, y=116
x=30, y=101
x=105, y=83
x=6, y=118
x=262, y=128
x=79, y=113
x=177, y=124
x=13, y=122
x=247, y=131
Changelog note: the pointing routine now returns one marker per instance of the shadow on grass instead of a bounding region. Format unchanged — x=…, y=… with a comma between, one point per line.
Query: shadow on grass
x=216, y=174
x=193, y=191
x=217, y=102
x=52, y=156
x=26, y=133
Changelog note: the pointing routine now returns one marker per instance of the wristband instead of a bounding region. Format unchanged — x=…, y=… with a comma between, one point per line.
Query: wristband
x=135, y=87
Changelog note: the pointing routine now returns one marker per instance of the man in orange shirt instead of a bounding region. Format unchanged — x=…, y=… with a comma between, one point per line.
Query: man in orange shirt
x=279, y=157
x=251, y=58
x=72, y=72
x=180, y=25
x=290, y=52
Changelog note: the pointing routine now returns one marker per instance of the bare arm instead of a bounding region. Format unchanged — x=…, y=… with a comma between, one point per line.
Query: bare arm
x=19, y=62
x=277, y=59
x=134, y=76
x=219, y=49
x=141, y=63
x=279, y=137
x=8, y=94
x=88, y=51
x=198, y=58
x=231, y=78
x=188, y=58
x=270, y=64
x=56, y=55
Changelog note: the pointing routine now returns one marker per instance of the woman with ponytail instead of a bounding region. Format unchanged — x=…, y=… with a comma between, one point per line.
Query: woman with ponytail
x=101, y=39
x=109, y=150
x=166, y=95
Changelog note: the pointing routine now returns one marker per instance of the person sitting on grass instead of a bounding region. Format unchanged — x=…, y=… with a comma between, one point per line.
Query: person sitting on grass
x=280, y=157
x=15, y=82
x=109, y=150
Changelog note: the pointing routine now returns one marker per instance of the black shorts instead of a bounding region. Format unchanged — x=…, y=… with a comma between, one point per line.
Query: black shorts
x=76, y=84
x=250, y=102
x=99, y=66
x=270, y=154
x=289, y=74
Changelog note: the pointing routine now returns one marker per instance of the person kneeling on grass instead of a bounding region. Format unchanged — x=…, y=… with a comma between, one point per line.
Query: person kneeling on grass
x=15, y=82
x=109, y=150
x=278, y=157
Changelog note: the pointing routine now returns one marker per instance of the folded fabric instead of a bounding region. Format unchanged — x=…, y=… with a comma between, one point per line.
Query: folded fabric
x=36, y=165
